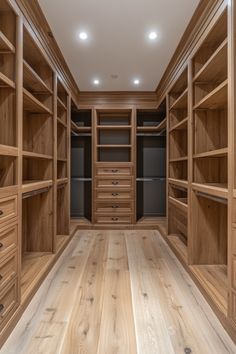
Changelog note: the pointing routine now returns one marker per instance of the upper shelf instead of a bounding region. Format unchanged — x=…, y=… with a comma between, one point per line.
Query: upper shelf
x=33, y=82
x=5, y=45
x=216, y=63
x=182, y=101
x=215, y=99
x=6, y=82
x=154, y=128
x=61, y=104
x=33, y=105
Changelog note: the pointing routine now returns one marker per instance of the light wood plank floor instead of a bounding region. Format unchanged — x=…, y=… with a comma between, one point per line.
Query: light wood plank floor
x=118, y=292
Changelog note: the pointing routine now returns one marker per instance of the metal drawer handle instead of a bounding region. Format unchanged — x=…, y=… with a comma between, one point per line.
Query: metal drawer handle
x=115, y=183
x=1, y=212
x=114, y=171
x=115, y=194
x=115, y=206
x=1, y=245
x=1, y=307
x=114, y=219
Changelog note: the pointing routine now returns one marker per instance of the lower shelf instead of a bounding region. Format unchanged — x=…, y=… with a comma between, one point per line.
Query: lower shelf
x=179, y=245
x=34, y=265
x=213, y=279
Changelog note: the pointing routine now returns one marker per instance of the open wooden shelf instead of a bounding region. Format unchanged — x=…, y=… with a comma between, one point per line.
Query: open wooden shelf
x=61, y=104
x=180, y=203
x=214, y=280
x=33, y=267
x=6, y=82
x=62, y=181
x=114, y=127
x=215, y=189
x=5, y=45
x=80, y=129
x=32, y=104
x=179, y=159
x=214, y=153
x=36, y=155
x=181, y=102
x=216, y=99
x=214, y=65
x=178, y=182
x=32, y=81
x=31, y=186
x=153, y=128
x=7, y=150
x=182, y=125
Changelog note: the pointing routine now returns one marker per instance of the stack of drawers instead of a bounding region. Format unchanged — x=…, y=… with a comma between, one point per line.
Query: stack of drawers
x=114, y=194
x=9, y=287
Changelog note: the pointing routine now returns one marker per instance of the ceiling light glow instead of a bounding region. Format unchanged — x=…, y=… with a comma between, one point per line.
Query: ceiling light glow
x=96, y=82
x=83, y=36
x=152, y=35
x=136, y=81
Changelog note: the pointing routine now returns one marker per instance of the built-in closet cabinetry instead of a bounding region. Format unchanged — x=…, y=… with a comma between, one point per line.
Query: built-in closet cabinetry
x=34, y=164
x=201, y=163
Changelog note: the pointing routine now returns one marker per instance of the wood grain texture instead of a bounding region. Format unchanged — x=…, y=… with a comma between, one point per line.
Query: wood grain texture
x=118, y=292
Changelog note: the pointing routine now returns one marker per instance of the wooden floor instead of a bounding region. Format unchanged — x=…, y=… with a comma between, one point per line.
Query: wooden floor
x=118, y=292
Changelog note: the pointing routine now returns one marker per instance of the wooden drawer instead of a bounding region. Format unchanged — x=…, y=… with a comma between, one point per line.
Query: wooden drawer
x=8, y=240
x=114, y=207
x=114, y=171
x=114, y=195
x=113, y=183
x=8, y=300
x=113, y=219
x=8, y=270
x=8, y=209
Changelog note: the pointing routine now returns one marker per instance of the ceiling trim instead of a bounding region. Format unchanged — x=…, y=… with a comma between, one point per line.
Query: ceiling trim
x=34, y=15
x=146, y=98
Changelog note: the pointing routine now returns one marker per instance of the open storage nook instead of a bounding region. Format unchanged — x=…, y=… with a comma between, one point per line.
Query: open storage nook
x=209, y=246
x=151, y=164
x=37, y=235
x=81, y=164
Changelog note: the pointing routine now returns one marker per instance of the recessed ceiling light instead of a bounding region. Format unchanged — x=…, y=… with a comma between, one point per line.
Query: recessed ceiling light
x=83, y=36
x=96, y=82
x=136, y=81
x=152, y=35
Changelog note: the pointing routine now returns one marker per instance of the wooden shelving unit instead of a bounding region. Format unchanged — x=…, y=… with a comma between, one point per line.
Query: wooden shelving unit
x=113, y=150
x=198, y=188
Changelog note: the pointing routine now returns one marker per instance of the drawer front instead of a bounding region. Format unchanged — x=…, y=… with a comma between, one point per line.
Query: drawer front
x=114, y=195
x=114, y=207
x=8, y=240
x=8, y=209
x=113, y=219
x=8, y=270
x=113, y=183
x=8, y=300
x=114, y=171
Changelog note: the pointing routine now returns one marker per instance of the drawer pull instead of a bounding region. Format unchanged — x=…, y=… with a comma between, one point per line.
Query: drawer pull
x=115, y=194
x=1, y=212
x=115, y=206
x=114, y=171
x=1, y=307
x=115, y=183
x=1, y=245
x=114, y=219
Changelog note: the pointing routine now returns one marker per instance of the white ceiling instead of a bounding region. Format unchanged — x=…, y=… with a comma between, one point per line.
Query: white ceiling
x=118, y=41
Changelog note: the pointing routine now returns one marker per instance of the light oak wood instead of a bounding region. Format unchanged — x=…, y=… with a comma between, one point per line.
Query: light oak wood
x=128, y=294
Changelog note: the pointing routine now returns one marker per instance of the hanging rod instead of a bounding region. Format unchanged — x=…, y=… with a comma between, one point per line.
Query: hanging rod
x=150, y=179
x=34, y=193
x=215, y=199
